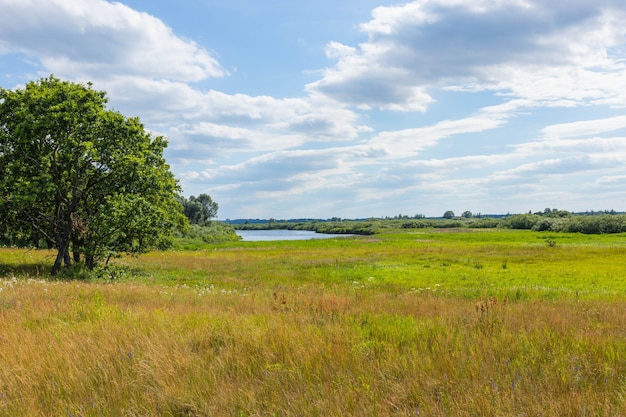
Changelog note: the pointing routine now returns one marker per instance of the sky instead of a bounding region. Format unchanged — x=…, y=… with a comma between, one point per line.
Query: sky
x=354, y=108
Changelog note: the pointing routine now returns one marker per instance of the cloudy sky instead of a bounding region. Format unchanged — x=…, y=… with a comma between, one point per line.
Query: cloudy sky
x=354, y=108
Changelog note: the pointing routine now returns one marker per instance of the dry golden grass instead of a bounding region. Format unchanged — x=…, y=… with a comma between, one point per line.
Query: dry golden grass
x=128, y=349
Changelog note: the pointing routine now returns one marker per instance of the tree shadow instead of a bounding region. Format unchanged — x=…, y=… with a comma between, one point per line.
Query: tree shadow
x=77, y=272
x=32, y=270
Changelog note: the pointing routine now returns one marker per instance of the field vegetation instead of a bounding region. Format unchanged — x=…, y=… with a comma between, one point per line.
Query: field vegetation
x=553, y=220
x=408, y=322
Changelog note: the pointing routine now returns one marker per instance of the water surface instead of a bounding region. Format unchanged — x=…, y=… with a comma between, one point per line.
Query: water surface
x=261, y=235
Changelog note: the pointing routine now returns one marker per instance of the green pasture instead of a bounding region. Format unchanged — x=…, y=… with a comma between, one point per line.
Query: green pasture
x=457, y=262
x=447, y=262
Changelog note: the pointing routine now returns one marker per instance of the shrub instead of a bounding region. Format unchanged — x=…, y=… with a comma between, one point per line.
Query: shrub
x=522, y=221
x=597, y=224
x=414, y=225
x=212, y=232
x=485, y=223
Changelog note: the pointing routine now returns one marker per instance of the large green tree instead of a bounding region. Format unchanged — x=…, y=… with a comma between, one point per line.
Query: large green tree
x=86, y=180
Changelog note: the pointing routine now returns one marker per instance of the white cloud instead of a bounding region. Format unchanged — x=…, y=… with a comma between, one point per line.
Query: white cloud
x=97, y=39
x=221, y=124
x=289, y=165
x=338, y=50
x=390, y=20
x=552, y=53
x=612, y=181
x=613, y=146
x=409, y=142
x=584, y=128
x=574, y=163
x=147, y=69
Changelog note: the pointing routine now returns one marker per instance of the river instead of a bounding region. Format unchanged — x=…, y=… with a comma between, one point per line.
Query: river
x=262, y=235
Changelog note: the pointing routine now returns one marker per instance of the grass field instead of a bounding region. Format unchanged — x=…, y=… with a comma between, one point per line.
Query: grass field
x=429, y=323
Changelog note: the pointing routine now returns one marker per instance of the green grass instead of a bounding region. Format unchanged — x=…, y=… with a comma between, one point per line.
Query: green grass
x=436, y=323
x=459, y=263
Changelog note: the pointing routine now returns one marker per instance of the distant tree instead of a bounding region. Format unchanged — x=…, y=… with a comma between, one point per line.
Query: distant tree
x=448, y=214
x=199, y=210
x=85, y=179
x=191, y=209
x=466, y=214
x=209, y=207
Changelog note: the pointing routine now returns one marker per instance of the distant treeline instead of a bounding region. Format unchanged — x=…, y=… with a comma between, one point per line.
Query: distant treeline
x=367, y=226
x=554, y=220
x=589, y=224
x=360, y=227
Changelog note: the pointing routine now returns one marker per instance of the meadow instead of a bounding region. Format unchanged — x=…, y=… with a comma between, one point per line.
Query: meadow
x=450, y=322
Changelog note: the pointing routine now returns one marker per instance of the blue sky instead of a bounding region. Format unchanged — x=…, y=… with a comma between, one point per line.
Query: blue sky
x=354, y=108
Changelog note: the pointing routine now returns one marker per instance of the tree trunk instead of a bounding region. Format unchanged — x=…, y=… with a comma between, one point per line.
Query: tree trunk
x=66, y=256
x=90, y=261
x=57, y=262
x=63, y=255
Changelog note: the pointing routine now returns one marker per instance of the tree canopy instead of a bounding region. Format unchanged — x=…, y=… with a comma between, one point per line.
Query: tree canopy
x=80, y=178
x=199, y=210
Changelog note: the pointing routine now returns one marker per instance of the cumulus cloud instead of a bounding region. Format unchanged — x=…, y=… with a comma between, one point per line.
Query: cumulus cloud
x=220, y=127
x=551, y=52
x=98, y=39
x=149, y=71
x=338, y=50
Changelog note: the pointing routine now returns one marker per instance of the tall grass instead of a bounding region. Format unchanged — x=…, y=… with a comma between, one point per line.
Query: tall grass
x=128, y=349
x=322, y=328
